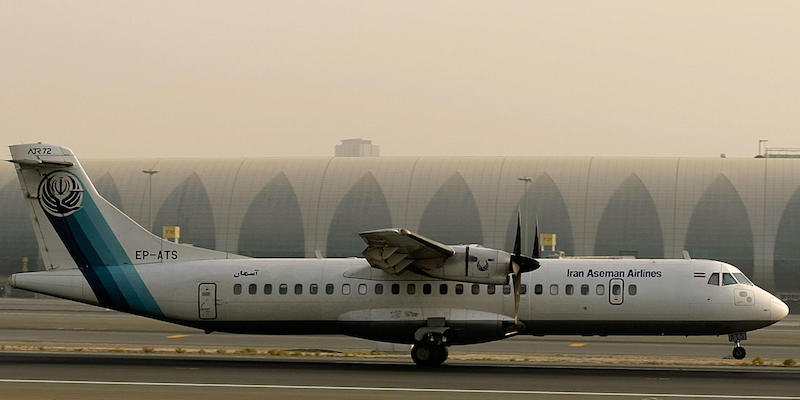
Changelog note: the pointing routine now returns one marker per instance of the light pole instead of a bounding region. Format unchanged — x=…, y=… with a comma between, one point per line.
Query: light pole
x=150, y=173
x=526, y=180
x=759, y=146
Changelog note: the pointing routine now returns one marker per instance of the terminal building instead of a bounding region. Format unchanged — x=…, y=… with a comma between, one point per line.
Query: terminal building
x=745, y=211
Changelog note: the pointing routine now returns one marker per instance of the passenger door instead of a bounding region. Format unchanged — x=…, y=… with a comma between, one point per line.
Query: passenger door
x=207, y=300
x=616, y=291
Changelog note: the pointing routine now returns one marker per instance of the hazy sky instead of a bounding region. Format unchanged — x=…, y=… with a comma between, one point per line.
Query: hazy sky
x=262, y=78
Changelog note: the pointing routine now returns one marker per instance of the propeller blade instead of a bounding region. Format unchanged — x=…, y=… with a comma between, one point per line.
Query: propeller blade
x=524, y=263
x=537, y=250
x=518, y=239
x=517, y=287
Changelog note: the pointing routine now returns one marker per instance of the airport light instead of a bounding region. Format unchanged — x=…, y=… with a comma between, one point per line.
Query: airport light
x=150, y=173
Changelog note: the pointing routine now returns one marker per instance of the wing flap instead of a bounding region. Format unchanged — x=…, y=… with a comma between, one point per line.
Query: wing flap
x=393, y=250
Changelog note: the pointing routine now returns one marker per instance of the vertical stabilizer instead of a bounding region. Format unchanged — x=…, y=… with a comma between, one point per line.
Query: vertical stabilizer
x=76, y=227
x=78, y=230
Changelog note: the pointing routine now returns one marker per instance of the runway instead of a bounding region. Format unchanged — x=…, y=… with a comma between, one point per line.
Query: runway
x=37, y=321
x=40, y=374
x=66, y=376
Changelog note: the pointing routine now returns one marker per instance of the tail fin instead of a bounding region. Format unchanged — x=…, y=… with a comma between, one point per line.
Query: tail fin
x=76, y=227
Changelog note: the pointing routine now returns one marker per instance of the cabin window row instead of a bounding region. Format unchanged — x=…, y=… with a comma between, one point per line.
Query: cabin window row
x=599, y=289
x=395, y=288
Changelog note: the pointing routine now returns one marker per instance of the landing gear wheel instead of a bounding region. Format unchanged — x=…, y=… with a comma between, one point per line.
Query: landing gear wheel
x=427, y=355
x=738, y=350
x=422, y=354
x=739, y=353
x=440, y=353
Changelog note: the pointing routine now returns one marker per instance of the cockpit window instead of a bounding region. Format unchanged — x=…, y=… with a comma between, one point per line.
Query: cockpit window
x=728, y=279
x=742, y=279
x=714, y=279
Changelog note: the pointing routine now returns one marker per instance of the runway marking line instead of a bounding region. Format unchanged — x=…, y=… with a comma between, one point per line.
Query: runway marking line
x=396, y=389
x=176, y=336
x=577, y=344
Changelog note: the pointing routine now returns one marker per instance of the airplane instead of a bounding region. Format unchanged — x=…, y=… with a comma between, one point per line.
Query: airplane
x=407, y=289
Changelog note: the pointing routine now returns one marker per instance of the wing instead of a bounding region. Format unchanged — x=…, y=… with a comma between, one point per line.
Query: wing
x=392, y=250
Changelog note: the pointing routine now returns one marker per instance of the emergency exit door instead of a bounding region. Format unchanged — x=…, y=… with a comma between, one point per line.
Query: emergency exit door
x=207, y=300
x=616, y=292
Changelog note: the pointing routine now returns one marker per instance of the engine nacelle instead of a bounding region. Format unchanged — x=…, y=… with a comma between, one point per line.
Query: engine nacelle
x=474, y=264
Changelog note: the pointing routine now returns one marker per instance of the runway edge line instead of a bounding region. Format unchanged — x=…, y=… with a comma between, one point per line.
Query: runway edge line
x=394, y=389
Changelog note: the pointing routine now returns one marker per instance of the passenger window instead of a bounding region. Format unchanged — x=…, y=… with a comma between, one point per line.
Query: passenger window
x=298, y=289
x=378, y=288
x=632, y=290
x=329, y=288
x=554, y=289
x=267, y=288
x=476, y=289
x=426, y=288
x=600, y=289
x=313, y=289
x=411, y=288
x=459, y=288
x=728, y=279
x=395, y=288
x=537, y=289
x=252, y=288
x=346, y=289
x=362, y=289
x=491, y=289
x=569, y=290
x=714, y=279
x=584, y=289
x=443, y=288
x=506, y=289
x=616, y=289
x=523, y=289
x=237, y=288
x=283, y=288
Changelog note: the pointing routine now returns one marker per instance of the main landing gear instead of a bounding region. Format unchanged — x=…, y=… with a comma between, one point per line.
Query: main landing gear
x=431, y=351
x=738, y=351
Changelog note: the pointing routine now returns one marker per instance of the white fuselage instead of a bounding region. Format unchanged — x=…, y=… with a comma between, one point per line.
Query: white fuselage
x=576, y=296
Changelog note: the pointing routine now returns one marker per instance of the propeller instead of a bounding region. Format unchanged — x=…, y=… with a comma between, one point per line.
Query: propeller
x=537, y=249
x=520, y=263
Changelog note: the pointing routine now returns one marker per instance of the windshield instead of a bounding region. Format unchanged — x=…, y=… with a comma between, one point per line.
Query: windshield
x=728, y=279
x=742, y=279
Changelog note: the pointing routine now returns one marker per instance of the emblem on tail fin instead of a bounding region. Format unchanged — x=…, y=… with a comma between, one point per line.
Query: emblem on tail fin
x=60, y=194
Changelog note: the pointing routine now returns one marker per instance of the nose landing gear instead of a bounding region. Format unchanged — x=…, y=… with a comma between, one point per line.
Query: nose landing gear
x=738, y=351
x=431, y=351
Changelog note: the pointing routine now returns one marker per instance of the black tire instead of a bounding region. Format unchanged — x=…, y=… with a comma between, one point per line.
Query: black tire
x=425, y=355
x=422, y=354
x=441, y=354
x=739, y=353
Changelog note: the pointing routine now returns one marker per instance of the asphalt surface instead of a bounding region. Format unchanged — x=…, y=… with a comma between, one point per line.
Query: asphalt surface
x=67, y=376
x=42, y=375
x=34, y=321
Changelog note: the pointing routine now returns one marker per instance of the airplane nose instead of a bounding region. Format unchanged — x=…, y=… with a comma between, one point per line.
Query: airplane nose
x=779, y=309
